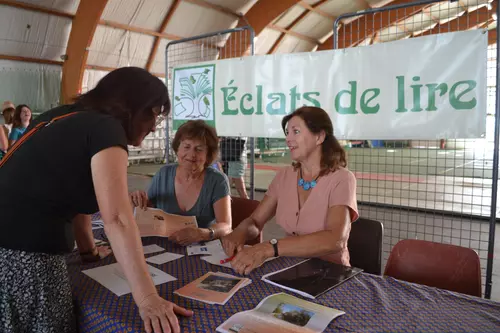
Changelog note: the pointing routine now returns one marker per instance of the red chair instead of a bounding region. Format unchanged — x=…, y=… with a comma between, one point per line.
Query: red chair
x=240, y=210
x=444, y=266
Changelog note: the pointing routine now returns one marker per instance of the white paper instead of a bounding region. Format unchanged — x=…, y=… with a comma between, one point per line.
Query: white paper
x=163, y=258
x=152, y=249
x=113, y=278
x=216, y=258
x=211, y=247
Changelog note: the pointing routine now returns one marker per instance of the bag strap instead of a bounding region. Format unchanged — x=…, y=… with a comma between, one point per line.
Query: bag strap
x=32, y=131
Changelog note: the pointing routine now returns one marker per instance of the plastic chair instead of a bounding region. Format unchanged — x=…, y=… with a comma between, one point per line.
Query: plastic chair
x=240, y=210
x=443, y=266
x=365, y=245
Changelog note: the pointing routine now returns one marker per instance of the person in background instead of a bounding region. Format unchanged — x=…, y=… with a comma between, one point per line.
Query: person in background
x=72, y=168
x=192, y=187
x=235, y=159
x=4, y=144
x=20, y=122
x=314, y=200
x=8, y=116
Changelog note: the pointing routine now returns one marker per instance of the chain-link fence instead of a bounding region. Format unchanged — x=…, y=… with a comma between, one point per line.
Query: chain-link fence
x=439, y=190
x=237, y=154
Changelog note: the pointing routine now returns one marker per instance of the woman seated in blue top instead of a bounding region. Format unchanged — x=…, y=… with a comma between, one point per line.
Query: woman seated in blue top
x=192, y=187
x=21, y=121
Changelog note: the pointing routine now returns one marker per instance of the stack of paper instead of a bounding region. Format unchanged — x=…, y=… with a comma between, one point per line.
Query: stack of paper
x=213, y=288
x=113, y=278
x=97, y=222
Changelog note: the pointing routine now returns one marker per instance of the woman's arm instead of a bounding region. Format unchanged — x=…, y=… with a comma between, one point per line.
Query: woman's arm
x=222, y=209
x=4, y=143
x=82, y=229
x=329, y=241
x=109, y=174
x=250, y=227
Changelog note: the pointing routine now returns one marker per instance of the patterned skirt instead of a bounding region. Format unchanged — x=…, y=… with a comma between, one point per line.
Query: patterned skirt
x=35, y=293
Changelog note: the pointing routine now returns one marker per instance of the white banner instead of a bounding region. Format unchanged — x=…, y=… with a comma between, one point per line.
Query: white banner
x=429, y=87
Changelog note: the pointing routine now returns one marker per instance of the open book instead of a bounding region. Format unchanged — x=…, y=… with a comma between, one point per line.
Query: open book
x=155, y=222
x=312, y=277
x=281, y=313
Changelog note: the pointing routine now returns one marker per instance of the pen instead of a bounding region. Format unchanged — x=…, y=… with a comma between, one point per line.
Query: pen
x=227, y=260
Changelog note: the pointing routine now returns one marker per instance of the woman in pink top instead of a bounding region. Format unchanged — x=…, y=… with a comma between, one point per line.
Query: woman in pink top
x=314, y=200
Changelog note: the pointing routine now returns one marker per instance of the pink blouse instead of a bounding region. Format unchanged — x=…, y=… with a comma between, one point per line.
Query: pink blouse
x=335, y=189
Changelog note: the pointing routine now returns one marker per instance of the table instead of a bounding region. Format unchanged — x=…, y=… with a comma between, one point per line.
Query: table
x=372, y=303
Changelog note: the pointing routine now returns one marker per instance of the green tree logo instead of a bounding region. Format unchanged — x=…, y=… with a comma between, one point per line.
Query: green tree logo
x=194, y=99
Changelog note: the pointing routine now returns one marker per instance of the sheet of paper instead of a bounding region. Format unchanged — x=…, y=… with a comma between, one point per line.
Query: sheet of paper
x=113, y=278
x=212, y=247
x=216, y=258
x=152, y=249
x=163, y=258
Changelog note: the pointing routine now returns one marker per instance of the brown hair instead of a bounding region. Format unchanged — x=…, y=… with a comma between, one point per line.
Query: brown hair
x=8, y=115
x=126, y=93
x=317, y=120
x=16, y=119
x=198, y=130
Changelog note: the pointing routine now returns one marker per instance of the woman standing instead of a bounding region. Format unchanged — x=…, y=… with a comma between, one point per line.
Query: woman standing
x=81, y=167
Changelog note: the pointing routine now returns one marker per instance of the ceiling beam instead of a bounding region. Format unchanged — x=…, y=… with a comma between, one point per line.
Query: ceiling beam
x=156, y=44
x=36, y=8
x=258, y=17
x=293, y=33
x=29, y=59
x=316, y=10
x=82, y=31
x=149, y=32
x=470, y=20
x=290, y=27
x=110, y=69
x=366, y=26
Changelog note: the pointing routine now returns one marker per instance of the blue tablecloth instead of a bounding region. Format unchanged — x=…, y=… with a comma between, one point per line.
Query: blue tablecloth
x=372, y=303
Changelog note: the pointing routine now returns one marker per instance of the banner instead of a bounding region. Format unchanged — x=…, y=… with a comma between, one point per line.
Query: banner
x=429, y=87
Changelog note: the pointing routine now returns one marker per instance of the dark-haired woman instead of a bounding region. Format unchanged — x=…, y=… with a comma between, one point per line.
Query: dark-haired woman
x=81, y=167
x=20, y=121
x=314, y=200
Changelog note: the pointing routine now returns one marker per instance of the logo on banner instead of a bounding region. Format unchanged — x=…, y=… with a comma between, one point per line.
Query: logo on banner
x=193, y=90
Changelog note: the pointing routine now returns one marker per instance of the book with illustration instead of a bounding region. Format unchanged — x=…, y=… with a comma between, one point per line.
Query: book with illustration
x=213, y=288
x=281, y=313
x=156, y=222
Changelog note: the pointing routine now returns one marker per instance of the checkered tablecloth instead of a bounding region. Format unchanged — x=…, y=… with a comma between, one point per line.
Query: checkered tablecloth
x=372, y=303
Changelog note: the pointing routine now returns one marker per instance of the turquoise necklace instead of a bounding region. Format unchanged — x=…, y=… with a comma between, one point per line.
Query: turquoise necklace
x=307, y=185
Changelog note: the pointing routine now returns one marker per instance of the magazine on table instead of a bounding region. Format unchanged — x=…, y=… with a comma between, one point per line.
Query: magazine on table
x=312, y=277
x=213, y=288
x=156, y=222
x=281, y=313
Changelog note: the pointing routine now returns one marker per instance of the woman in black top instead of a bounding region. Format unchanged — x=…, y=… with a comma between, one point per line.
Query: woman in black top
x=64, y=171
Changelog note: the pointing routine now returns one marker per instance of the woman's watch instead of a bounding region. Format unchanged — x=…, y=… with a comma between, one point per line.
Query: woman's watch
x=212, y=233
x=274, y=243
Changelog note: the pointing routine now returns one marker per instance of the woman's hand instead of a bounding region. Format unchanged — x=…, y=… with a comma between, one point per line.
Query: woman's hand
x=234, y=242
x=251, y=257
x=97, y=254
x=139, y=199
x=188, y=236
x=159, y=315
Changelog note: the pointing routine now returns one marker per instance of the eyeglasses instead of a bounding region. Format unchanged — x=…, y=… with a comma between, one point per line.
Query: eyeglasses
x=159, y=114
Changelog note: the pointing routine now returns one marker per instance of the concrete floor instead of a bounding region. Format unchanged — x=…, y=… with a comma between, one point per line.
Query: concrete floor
x=398, y=224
